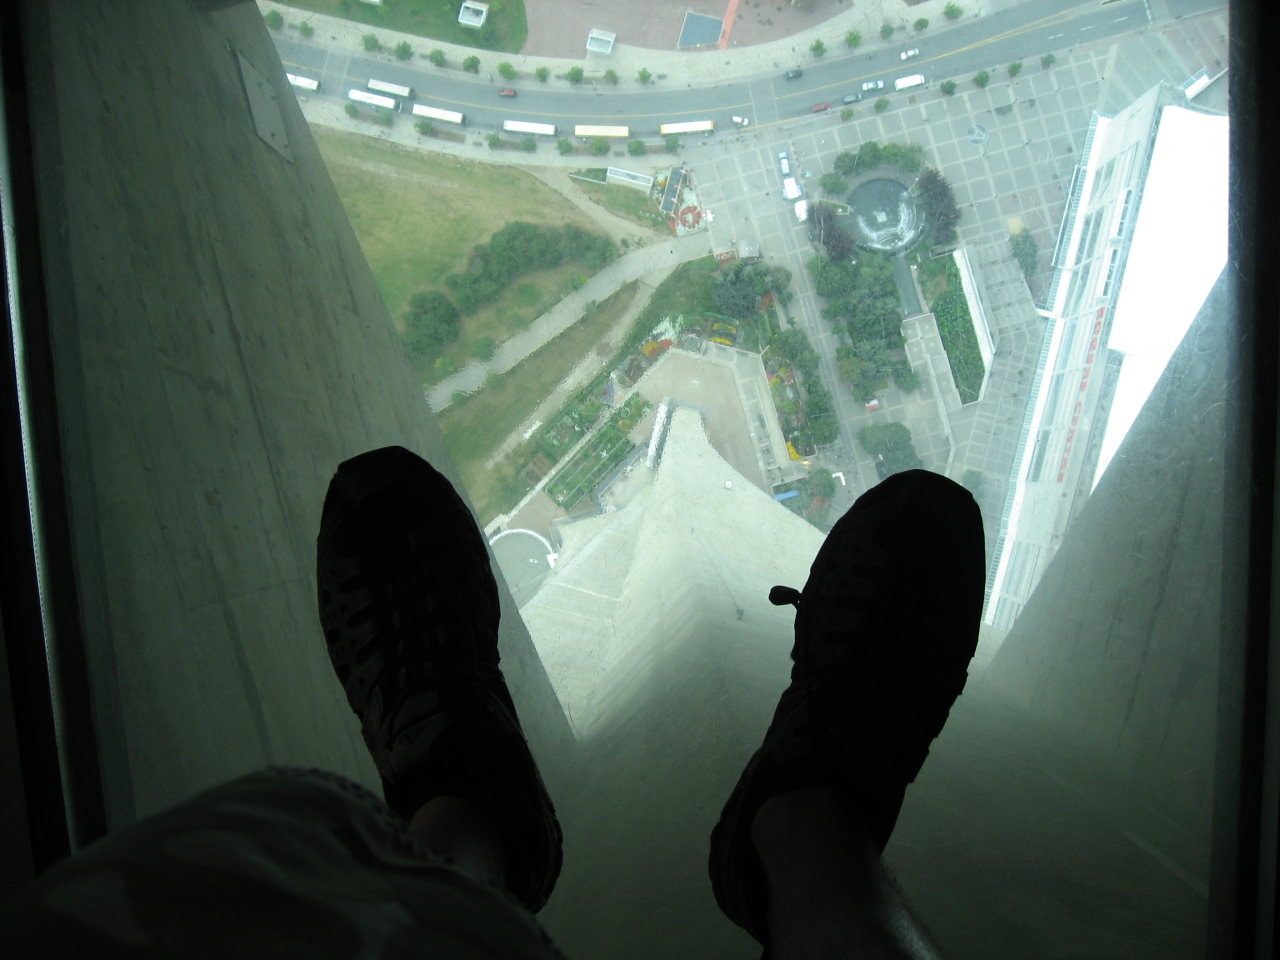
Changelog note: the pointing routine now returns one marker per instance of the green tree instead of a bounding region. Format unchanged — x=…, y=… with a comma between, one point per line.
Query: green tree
x=845, y=163
x=528, y=144
x=939, y=202
x=823, y=428
x=306, y=30
x=822, y=483
x=564, y=145
x=471, y=64
x=637, y=148
x=274, y=20
x=1025, y=251
x=506, y=71
x=644, y=76
x=921, y=24
x=949, y=87
x=882, y=105
x=574, y=75
x=952, y=11
x=494, y=141
x=1015, y=68
x=834, y=183
x=482, y=348
x=386, y=116
x=404, y=51
x=846, y=113
x=351, y=110
x=599, y=147
x=542, y=73
x=905, y=377
x=890, y=444
x=1047, y=61
x=981, y=79
x=446, y=365
x=886, y=30
x=437, y=57
x=370, y=42
x=611, y=77
x=818, y=48
x=424, y=127
x=853, y=39
x=673, y=143
x=430, y=325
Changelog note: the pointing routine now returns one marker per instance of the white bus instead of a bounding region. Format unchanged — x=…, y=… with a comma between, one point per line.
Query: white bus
x=448, y=116
x=584, y=130
x=374, y=100
x=693, y=126
x=523, y=126
x=304, y=82
x=392, y=88
x=902, y=83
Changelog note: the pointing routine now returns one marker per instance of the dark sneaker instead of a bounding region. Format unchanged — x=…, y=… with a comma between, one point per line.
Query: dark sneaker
x=885, y=629
x=409, y=608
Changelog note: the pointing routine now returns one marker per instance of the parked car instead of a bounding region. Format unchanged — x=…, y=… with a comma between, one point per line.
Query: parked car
x=793, y=75
x=908, y=54
x=784, y=163
x=852, y=98
x=504, y=92
x=741, y=121
x=873, y=85
x=819, y=107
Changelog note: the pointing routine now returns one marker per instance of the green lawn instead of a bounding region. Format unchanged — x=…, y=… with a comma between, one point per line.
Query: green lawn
x=417, y=216
x=626, y=202
x=955, y=327
x=476, y=428
x=687, y=291
x=433, y=19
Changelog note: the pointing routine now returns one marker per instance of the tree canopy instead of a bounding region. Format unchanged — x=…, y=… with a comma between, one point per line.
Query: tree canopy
x=740, y=287
x=940, y=203
x=891, y=444
x=430, y=325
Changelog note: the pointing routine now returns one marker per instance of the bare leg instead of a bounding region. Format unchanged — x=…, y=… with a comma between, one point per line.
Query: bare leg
x=830, y=897
x=463, y=834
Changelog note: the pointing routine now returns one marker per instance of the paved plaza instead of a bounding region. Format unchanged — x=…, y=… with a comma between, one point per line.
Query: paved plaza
x=1009, y=152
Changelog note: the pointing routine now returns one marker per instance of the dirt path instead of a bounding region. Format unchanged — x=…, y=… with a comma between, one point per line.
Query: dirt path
x=619, y=228
x=586, y=370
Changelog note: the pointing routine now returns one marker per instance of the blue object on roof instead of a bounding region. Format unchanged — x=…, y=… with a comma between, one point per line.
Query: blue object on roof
x=786, y=496
x=699, y=29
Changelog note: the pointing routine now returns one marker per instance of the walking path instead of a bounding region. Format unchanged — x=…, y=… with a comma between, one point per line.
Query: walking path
x=636, y=265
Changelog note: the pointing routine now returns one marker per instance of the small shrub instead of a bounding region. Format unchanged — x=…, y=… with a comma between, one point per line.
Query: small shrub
x=637, y=148
x=542, y=73
x=386, y=116
x=446, y=365
x=886, y=31
x=482, y=348
x=274, y=20
x=834, y=183
x=818, y=48
x=506, y=71
x=1047, y=61
x=424, y=127
x=921, y=24
x=1025, y=251
x=306, y=30
x=494, y=141
x=528, y=144
x=644, y=76
x=846, y=113
x=981, y=79
x=611, y=76
x=351, y=110
x=370, y=42
x=436, y=57
x=574, y=75
x=882, y=105
x=952, y=11
x=1015, y=68
x=564, y=146
x=949, y=87
x=853, y=39
x=404, y=51
x=599, y=147
x=673, y=143
x=471, y=64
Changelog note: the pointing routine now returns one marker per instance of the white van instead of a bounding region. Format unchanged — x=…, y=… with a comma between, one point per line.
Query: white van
x=791, y=189
x=903, y=83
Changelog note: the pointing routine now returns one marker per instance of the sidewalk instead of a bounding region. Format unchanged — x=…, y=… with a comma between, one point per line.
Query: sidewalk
x=692, y=68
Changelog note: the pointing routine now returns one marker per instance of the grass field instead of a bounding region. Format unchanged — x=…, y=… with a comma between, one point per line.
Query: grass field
x=417, y=216
x=433, y=19
x=476, y=428
x=626, y=202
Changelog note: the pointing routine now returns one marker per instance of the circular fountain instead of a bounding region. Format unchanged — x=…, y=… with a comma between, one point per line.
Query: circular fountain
x=885, y=217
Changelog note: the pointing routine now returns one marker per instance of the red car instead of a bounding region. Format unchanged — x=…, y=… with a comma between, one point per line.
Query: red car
x=506, y=93
x=819, y=107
